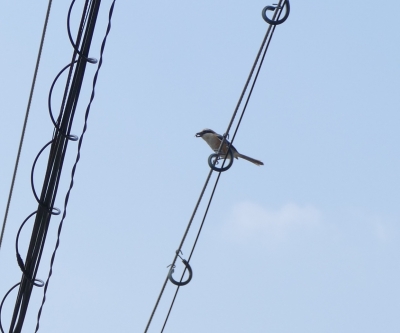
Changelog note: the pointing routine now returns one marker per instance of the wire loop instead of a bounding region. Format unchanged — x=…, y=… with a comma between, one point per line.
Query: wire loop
x=58, y=148
x=250, y=83
x=89, y=60
x=217, y=157
x=2, y=302
x=70, y=137
x=171, y=271
x=88, y=107
x=21, y=264
x=52, y=210
x=272, y=8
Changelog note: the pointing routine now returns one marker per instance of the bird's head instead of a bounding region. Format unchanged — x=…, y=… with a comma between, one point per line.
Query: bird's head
x=205, y=131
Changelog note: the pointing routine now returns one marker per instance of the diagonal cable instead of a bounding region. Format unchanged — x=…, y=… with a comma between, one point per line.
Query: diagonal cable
x=218, y=177
x=264, y=46
x=25, y=122
x=78, y=156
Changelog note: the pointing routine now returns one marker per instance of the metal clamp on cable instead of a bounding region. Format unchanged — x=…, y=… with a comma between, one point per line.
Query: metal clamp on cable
x=272, y=8
x=171, y=271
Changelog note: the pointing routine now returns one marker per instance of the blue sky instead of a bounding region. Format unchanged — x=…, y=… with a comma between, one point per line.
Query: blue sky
x=306, y=243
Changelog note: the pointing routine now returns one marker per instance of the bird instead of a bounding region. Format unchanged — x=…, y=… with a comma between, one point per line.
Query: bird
x=214, y=141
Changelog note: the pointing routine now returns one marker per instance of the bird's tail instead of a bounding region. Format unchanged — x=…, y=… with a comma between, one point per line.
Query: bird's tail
x=252, y=160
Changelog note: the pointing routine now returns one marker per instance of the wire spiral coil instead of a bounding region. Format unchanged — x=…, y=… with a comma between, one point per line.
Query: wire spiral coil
x=286, y=5
x=187, y=266
x=50, y=209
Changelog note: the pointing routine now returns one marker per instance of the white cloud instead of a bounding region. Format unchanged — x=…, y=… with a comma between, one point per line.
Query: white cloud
x=249, y=220
x=380, y=227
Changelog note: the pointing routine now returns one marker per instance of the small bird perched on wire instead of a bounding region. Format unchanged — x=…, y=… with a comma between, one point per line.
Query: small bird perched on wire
x=214, y=141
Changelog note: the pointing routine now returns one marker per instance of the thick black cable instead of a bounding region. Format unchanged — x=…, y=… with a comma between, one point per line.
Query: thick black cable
x=2, y=303
x=25, y=121
x=91, y=60
x=61, y=137
x=264, y=46
x=71, y=69
x=78, y=155
x=49, y=190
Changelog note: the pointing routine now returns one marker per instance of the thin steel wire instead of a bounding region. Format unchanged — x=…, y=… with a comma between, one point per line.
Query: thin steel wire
x=25, y=121
x=266, y=42
x=237, y=127
x=180, y=247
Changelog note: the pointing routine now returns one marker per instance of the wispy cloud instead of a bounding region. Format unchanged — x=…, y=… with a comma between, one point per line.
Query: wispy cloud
x=248, y=220
x=379, y=227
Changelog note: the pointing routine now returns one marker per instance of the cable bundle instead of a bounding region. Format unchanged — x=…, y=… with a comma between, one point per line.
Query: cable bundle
x=58, y=146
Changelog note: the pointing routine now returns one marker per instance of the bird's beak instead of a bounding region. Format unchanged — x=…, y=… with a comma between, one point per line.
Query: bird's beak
x=199, y=135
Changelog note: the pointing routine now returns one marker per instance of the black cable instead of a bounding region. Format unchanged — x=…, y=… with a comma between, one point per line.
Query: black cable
x=191, y=252
x=25, y=121
x=219, y=174
x=271, y=27
x=180, y=247
x=47, y=198
x=264, y=46
x=61, y=136
x=268, y=37
x=75, y=165
x=71, y=64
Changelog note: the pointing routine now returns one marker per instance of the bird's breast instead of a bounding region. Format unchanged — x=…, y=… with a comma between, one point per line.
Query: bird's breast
x=212, y=140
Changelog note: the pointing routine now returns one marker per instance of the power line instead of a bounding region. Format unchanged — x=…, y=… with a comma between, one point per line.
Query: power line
x=58, y=147
x=237, y=127
x=180, y=247
x=78, y=154
x=259, y=61
x=25, y=121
